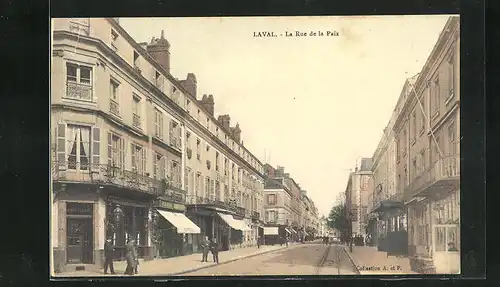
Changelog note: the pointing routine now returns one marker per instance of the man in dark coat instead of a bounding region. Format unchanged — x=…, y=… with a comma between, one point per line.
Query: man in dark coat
x=215, y=250
x=131, y=257
x=108, y=257
x=206, y=247
x=259, y=241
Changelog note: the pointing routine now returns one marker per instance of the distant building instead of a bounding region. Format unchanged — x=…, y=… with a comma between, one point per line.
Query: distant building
x=358, y=190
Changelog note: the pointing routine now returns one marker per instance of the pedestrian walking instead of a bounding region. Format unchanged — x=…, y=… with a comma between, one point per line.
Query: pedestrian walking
x=286, y=241
x=108, y=256
x=206, y=247
x=131, y=257
x=215, y=250
x=259, y=241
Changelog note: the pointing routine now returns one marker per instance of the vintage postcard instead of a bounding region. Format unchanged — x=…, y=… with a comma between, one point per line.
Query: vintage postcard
x=255, y=146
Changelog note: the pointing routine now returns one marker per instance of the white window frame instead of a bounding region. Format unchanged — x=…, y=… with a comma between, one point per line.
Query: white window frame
x=78, y=80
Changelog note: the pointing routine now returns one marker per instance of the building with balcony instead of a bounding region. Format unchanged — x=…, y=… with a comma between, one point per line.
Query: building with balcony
x=388, y=217
x=135, y=154
x=428, y=156
x=357, y=193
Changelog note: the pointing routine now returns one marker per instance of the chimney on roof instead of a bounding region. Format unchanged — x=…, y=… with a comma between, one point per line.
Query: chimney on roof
x=190, y=84
x=225, y=121
x=236, y=133
x=159, y=50
x=208, y=103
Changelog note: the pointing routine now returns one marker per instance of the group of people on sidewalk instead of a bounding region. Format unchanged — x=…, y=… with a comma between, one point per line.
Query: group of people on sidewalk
x=210, y=246
x=131, y=256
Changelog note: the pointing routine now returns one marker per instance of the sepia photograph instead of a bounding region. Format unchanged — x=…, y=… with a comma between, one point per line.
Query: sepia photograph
x=255, y=146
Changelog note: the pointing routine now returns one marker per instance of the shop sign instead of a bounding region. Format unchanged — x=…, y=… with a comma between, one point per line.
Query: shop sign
x=76, y=208
x=169, y=205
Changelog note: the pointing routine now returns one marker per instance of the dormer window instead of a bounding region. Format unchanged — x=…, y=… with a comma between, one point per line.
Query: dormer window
x=114, y=38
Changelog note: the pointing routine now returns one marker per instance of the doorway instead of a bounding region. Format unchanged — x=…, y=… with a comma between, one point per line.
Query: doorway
x=80, y=240
x=446, y=261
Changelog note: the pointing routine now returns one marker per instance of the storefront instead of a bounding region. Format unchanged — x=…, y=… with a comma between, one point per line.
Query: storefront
x=233, y=230
x=271, y=235
x=173, y=234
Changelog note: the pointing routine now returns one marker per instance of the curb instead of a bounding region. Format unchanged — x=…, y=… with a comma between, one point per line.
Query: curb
x=352, y=261
x=228, y=261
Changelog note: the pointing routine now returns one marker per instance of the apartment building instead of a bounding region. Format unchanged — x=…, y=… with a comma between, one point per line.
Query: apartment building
x=388, y=228
x=357, y=193
x=428, y=156
x=284, y=213
x=122, y=135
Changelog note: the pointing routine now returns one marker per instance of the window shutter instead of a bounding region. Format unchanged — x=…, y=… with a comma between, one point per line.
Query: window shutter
x=179, y=135
x=122, y=154
x=110, y=149
x=96, y=149
x=144, y=160
x=162, y=167
x=61, y=146
x=160, y=124
x=134, y=159
x=170, y=132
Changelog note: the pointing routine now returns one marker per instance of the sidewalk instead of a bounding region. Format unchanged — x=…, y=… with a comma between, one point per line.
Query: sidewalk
x=369, y=261
x=179, y=265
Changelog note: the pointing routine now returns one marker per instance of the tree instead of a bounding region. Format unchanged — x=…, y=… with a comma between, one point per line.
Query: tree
x=338, y=220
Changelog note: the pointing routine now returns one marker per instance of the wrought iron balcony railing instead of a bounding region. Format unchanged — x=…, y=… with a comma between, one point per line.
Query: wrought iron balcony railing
x=78, y=91
x=229, y=205
x=114, y=108
x=445, y=169
x=136, y=121
x=104, y=174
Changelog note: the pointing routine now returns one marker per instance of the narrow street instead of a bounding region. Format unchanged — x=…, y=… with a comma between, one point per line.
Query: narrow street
x=302, y=259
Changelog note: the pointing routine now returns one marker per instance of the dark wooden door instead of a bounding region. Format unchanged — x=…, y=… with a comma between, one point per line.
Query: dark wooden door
x=80, y=240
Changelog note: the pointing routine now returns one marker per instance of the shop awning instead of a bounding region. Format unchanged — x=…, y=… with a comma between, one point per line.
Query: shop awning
x=288, y=230
x=271, y=231
x=180, y=221
x=234, y=223
x=293, y=230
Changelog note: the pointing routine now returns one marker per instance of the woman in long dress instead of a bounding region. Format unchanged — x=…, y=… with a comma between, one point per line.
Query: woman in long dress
x=131, y=256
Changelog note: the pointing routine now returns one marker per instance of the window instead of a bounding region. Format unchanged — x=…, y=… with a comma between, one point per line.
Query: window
x=175, y=136
x=187, y=173
x=78, y=82
x=226, y=164
x=413, y=126
x=451, y=73
x=271, y=199
x=78, y=147
x=272, y=216
x=422, y=116
x=435, y=97
x=138, y=159
x=158, y=121
x=208, y=123
x=207, y=187
x=198, y=149
x=198, y=184
x=187, y=105
x=398, y=149
x=217, y=190
x=217, y=161
x=158, y=166
x=175, y=174
x=136, y=109
x=198, y=115
x=114, y=106
x=405, y=140
x=435, y=151
x=159, y=82
x=422, y=165
x=116, y=151
x=114, y=38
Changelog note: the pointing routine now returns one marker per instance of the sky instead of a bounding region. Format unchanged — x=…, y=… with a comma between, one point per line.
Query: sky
x=313, y=104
